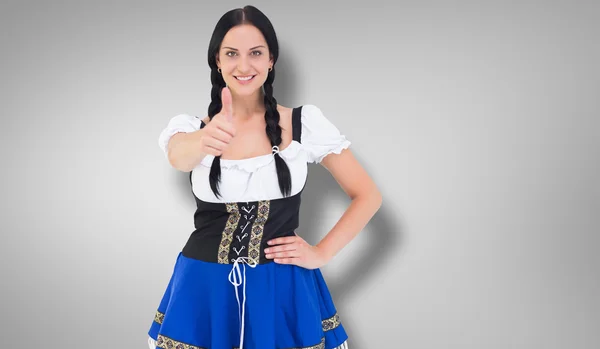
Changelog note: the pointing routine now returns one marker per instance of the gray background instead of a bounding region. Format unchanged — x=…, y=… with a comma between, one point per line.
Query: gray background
x=478, y=121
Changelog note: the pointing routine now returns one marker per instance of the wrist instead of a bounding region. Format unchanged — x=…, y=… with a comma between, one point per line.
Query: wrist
x=325, y=252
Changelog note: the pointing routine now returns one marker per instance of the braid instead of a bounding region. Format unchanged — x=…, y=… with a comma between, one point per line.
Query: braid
x=213, y=109
x=274, y=133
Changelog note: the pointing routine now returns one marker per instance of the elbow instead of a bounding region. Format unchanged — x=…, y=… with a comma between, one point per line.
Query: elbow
x=176, y=162
x=375, y=197
x=372, y=197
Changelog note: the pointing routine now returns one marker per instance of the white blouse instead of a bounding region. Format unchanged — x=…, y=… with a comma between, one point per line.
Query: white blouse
x=255, y=178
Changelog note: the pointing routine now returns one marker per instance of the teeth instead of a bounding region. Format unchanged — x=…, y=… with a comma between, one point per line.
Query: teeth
x=244, y=78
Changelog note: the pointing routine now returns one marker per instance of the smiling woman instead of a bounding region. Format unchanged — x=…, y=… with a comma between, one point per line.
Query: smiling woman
x=236, y=66
x=245, y=279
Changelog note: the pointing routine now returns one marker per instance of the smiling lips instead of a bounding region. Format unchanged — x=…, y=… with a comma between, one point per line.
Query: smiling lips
x=244, y=79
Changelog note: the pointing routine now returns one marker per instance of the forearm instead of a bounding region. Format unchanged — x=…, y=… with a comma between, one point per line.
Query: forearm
x=355, y=218
x=184, y=150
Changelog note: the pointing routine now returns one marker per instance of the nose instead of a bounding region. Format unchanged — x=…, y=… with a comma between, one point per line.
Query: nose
x=243, y=64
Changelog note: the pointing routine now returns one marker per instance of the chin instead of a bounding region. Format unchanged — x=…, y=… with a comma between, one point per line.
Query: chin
x=247, y=90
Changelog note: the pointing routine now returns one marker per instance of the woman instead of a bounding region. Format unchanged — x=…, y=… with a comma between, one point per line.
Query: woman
x=244, y=279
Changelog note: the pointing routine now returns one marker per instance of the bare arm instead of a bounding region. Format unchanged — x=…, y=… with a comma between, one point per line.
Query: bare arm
x=365, y=196
x=366, y=200
x=184, y=150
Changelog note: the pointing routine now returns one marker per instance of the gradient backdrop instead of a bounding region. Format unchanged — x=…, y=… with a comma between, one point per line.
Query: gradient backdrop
x=478, y=120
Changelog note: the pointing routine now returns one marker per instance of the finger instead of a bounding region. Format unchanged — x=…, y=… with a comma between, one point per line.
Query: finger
x=221, y=135
x=215, y=143
x=287, y=260
x=281, y=248
x=282, y=240
x=226, y=127
x=286, y=254
x=227, y=108
x=212, y=151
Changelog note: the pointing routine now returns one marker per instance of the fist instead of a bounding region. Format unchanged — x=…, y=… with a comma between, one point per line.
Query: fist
x=219, y=132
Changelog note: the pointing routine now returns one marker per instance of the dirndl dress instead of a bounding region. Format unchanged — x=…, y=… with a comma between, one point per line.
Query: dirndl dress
x=223, y=292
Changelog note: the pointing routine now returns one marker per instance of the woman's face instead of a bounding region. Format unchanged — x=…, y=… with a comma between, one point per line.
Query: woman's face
x=244, y=59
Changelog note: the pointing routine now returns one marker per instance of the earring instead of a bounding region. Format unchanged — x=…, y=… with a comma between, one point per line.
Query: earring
x=219, y=70
x=270, y=70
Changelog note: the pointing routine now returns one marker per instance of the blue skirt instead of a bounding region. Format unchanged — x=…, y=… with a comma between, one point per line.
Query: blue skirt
x=209, y=305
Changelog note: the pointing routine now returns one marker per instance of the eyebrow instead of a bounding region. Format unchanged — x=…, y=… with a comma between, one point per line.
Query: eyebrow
x=235, y=49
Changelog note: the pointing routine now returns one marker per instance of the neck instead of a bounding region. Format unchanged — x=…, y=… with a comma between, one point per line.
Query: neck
x=244, y=107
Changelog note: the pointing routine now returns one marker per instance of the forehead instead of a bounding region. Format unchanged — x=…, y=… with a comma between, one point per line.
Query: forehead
x=243, y=37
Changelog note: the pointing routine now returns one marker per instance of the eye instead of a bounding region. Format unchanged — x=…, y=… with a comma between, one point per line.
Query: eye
x=230, y=53
x=256, y=53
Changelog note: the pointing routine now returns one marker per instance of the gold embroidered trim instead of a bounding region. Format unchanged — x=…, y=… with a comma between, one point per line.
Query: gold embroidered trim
x=331, y=323
x=159, y=317
x=227, y=235
x=257, y=232
x=316, y=346
x=169, y=343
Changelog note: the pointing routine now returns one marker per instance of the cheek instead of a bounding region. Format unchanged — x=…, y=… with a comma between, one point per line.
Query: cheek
x=228, y=67
x=265, y=63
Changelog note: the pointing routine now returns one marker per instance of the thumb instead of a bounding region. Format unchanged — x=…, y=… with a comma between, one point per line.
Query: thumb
x=227, y=104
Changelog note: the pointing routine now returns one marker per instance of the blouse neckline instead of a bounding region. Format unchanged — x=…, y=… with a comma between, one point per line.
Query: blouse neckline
x=258, y=156
x=253, y=163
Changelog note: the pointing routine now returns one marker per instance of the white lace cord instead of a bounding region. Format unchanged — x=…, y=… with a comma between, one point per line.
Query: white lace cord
x=238, y=278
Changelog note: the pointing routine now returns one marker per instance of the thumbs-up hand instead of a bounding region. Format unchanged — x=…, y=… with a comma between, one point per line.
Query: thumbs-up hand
x=219, y=132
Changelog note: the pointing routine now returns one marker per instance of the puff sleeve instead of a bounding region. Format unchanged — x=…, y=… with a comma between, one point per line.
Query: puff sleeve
x=320, y=137
x=178, y=123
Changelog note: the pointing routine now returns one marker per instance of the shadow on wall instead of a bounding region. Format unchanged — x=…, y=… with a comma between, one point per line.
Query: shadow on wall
x=285, y=85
